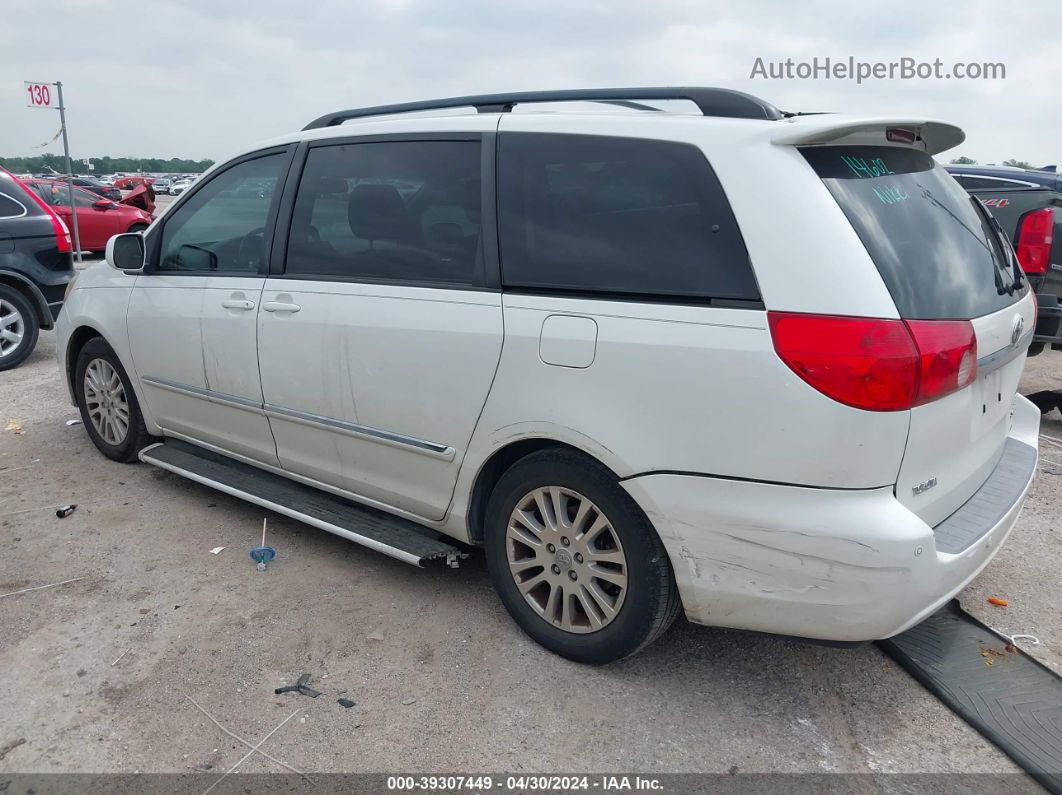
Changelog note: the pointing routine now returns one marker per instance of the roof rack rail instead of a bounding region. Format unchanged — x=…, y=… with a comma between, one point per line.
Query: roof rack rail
x=710, y=101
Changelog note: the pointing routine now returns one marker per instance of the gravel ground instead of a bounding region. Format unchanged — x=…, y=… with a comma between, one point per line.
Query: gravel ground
x=97, y=673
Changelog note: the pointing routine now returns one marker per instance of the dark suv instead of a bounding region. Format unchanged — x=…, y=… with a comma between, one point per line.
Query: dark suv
x=35, y=268
x=1027, y=203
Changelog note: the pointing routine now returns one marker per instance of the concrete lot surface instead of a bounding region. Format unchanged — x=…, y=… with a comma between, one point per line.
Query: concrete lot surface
x=97, y=673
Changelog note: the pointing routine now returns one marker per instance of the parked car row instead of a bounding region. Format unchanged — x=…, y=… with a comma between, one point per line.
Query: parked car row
x=98, y=219
x=173, y=185
x=91, y=184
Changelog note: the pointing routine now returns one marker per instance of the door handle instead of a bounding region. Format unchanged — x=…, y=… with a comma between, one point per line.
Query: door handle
x=280, y=306
x=236, y=303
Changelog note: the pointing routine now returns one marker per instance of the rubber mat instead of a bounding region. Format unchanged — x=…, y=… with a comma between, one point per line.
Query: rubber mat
x=1009, y=697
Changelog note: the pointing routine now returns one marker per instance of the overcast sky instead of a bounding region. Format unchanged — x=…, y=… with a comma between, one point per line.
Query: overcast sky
x=204, y=78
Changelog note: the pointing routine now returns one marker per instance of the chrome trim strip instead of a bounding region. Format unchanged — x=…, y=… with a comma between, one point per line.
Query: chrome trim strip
x=207, y=394
x=420, y=445
x=993, y=361
x=317, y=484
x=434, y=449
x=371, y=543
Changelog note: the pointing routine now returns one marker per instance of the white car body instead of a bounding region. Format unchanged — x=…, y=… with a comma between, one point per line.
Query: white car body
x=179, y=187
x=781, y=510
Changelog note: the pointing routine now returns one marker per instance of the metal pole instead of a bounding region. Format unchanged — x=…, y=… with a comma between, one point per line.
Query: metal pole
x=69, y=172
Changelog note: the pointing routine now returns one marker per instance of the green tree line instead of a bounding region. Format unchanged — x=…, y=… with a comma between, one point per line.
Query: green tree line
x=103, y=165
x=969, y=161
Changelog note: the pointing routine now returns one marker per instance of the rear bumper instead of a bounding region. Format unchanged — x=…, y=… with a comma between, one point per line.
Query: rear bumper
x=1048, y=319
x=833, y=565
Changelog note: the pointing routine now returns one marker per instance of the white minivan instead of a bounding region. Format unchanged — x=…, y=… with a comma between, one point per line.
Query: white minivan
x=752, y=366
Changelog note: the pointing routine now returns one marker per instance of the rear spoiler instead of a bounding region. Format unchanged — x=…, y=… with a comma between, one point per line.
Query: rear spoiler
x=937, y=136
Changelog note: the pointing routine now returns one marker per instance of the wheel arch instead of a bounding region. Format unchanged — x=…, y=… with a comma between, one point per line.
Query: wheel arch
x=81, y=335
x=28, y=290
x=501, y=460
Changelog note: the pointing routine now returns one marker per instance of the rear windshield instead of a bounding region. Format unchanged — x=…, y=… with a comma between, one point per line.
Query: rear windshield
x=937, y=250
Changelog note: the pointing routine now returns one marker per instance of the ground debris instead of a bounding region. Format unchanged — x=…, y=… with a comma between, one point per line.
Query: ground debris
x=301, y=687
x=990, y=654
x=40, y=587
x=7, y=748
x=995, y=600
x=14, y=427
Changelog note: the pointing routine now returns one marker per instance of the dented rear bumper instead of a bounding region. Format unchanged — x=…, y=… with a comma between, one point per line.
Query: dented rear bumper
x=836, y=565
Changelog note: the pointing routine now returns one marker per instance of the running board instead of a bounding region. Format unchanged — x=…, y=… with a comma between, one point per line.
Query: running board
x=391, y=535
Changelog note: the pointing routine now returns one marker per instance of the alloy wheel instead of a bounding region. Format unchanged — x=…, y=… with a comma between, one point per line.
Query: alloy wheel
x=106, y=402
x=566, y=559
x=12, y=328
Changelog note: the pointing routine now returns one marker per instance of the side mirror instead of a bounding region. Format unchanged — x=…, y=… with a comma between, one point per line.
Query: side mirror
x=103, y=204
x=126, y=252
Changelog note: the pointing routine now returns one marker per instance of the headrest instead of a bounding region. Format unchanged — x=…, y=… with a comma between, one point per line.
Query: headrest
x=377, y=212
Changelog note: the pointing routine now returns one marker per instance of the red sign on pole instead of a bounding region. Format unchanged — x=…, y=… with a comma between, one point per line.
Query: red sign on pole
x=40, y=95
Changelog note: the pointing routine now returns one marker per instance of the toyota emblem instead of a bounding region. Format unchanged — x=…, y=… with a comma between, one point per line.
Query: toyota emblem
x=1015, y=333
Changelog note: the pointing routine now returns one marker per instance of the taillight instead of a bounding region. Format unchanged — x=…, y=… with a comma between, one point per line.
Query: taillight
x=62, y=234
x=876, y=364
x=1035, y=236
x=947, y=356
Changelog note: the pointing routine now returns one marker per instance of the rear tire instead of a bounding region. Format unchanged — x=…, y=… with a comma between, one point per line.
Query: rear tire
x=108, y=404
x=575, y=561
x=19, y=327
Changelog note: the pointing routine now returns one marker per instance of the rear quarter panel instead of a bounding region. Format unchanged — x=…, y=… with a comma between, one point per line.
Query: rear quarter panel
x=679, y=388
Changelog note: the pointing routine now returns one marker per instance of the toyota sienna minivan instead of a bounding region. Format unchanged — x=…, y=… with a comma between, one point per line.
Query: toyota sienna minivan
x=754, y=367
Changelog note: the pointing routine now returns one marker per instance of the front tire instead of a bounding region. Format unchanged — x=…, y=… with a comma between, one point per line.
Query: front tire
x=575, y=561
x=108, y=404
x=19, y=328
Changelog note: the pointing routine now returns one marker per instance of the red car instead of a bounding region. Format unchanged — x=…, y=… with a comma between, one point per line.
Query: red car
x=97, y=219
x=128, y=183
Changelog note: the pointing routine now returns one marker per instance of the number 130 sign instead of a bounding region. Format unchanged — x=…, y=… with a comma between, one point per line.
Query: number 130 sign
x=40, y=95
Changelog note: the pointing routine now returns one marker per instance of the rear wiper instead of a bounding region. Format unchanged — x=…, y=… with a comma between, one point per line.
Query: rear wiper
x=1008, y=252
x=928, y=194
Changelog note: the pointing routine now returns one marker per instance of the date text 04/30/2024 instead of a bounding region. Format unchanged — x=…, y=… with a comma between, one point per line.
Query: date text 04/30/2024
x=521, y=783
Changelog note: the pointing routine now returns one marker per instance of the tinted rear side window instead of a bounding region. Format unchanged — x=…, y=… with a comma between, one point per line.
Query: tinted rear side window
x=935, y=247
x=9, y=208
x=987, y=183
x=617, y=215
x=406, y=211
